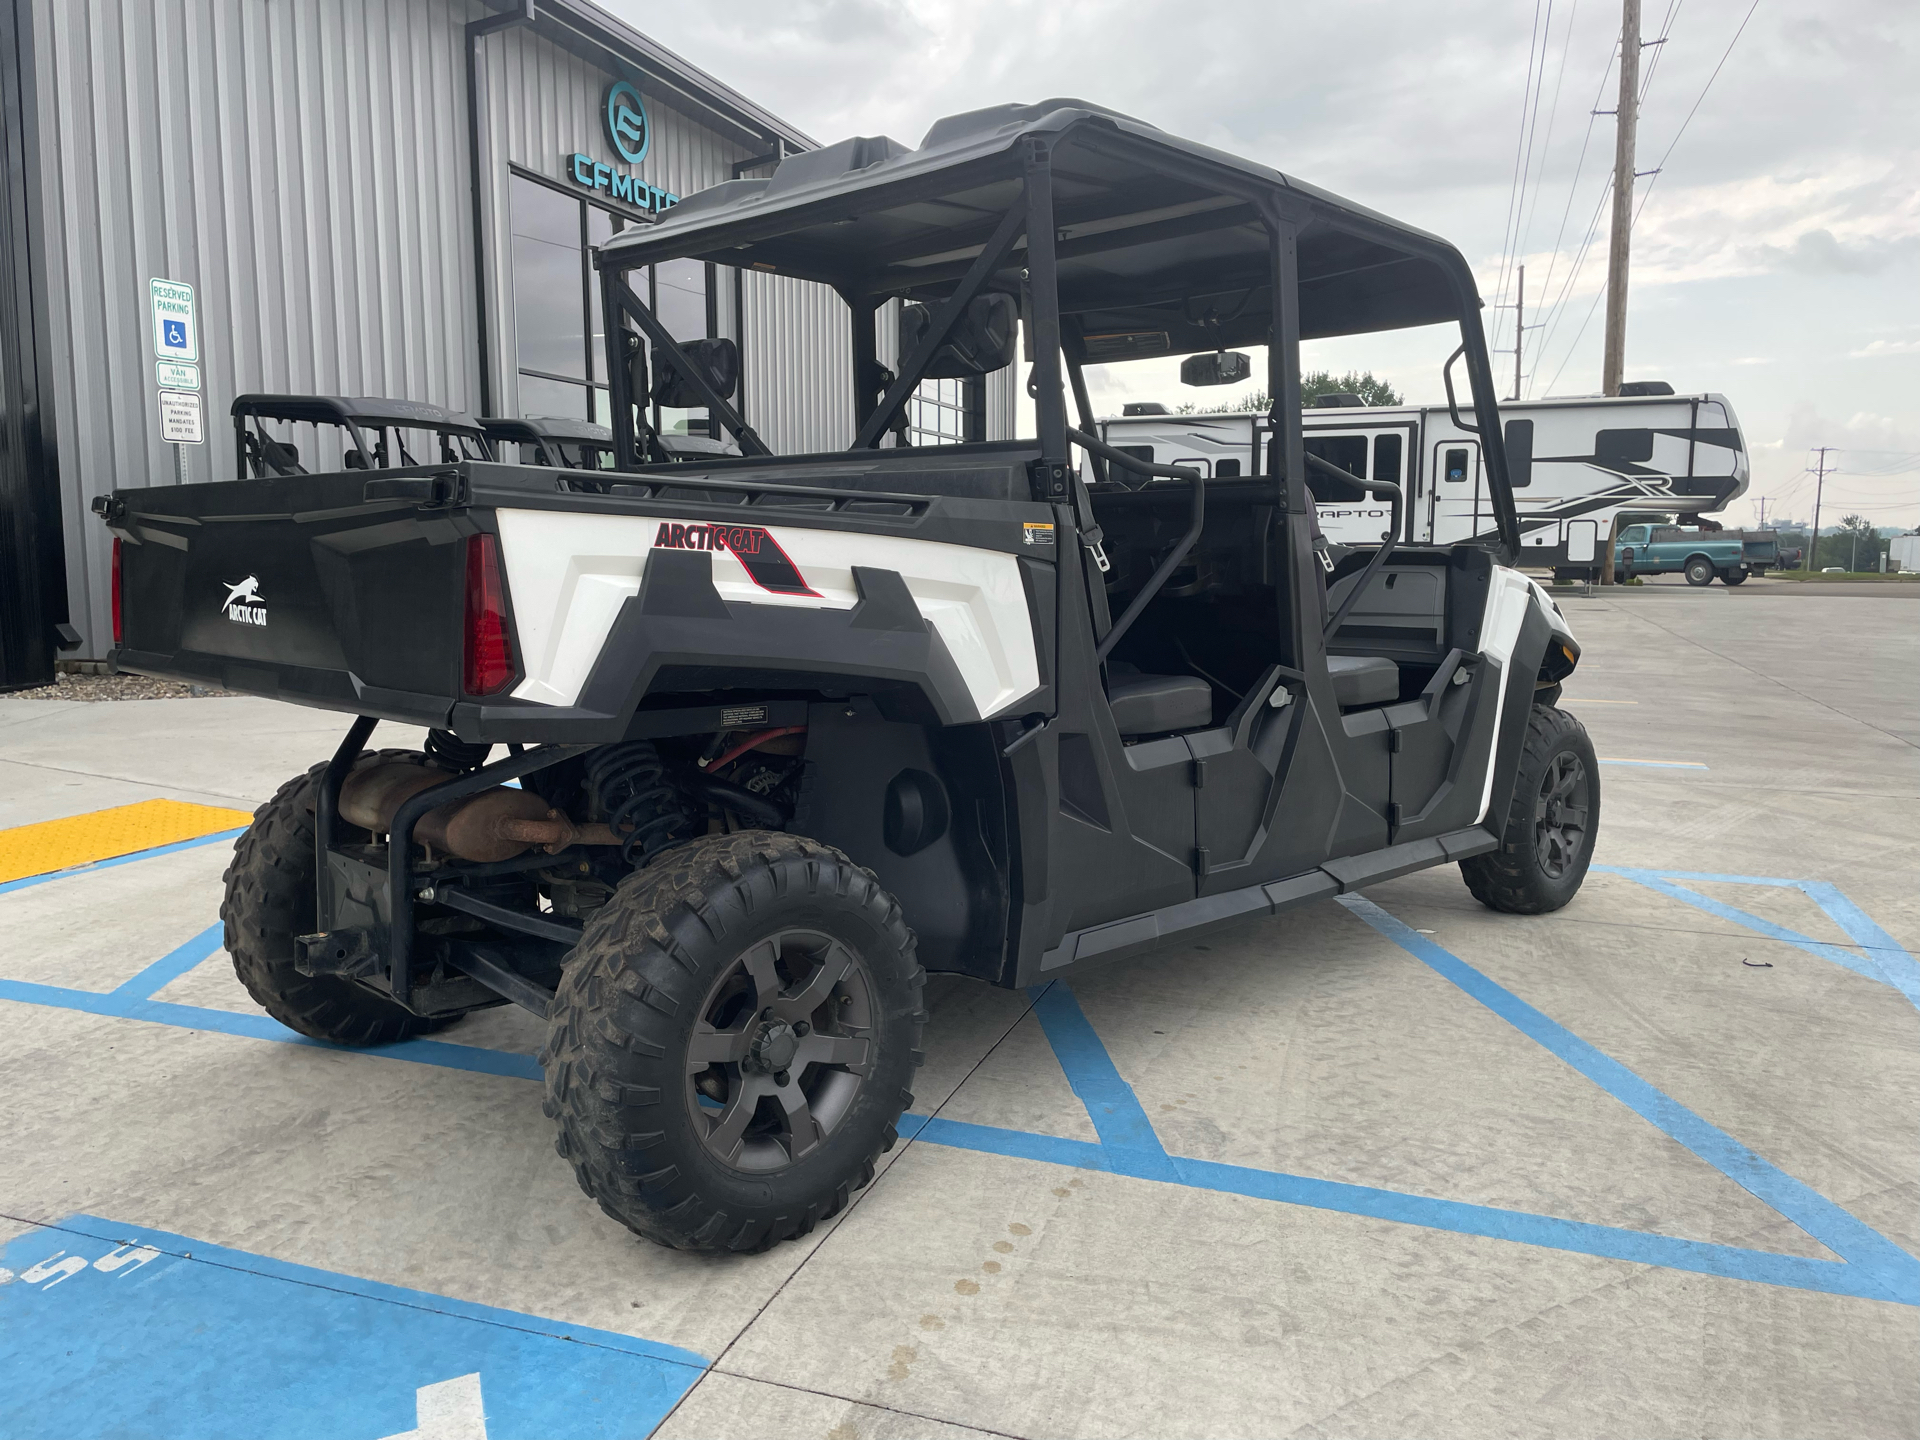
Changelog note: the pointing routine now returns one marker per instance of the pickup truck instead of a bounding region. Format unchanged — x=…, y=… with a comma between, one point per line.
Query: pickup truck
x=1700, y=555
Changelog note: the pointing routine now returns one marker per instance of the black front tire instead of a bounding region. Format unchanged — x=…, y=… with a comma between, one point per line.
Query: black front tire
x=1551, y=823
x=730, y=1048
x=269, y=901
x=1700, y=571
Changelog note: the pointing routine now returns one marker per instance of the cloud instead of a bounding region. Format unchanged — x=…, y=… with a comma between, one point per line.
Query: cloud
x=1874, y=349
x=1818, y=252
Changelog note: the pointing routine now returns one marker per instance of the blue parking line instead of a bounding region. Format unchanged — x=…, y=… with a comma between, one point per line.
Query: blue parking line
x=1854, y=1241
x=172, y=966
x=1886, y=961
x=1871, y=1266
x=265, y=1027
x=30, y=881
x=1126, y=1134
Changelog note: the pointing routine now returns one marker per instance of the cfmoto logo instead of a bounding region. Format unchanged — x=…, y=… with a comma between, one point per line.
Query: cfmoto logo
x=627, y=128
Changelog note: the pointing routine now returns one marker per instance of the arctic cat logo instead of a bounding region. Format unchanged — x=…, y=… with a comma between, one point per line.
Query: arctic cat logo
x=245, y=605
x=743, y=540
x=766, y=563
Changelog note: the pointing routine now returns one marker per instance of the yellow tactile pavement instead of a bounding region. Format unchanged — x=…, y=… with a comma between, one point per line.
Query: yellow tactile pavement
x=102, y=834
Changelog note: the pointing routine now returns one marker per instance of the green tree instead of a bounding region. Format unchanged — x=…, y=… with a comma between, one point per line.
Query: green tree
x=1856, y=545
x=1313, y=385
x=1316, y=383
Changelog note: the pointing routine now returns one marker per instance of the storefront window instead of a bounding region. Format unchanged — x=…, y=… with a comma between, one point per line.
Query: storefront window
x=550, y=307
x=561, y=352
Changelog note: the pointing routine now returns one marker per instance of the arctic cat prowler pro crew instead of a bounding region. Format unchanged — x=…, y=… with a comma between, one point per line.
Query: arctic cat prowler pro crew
x=793, y=730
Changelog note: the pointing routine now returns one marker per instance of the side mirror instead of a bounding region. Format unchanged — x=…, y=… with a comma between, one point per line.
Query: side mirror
x=981, y=343
x=718, y=362
x=634, y=357
x=1223, y=367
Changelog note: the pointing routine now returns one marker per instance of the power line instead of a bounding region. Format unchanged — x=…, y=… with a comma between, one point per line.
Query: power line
x=1579, y=164
x=1655, y=178
x=1666, y=28
x=1654, y=175
x=1546, y=147
x=1516, y=185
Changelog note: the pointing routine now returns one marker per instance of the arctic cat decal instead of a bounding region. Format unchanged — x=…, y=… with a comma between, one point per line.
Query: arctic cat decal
x=766, y=564
x=245, y=605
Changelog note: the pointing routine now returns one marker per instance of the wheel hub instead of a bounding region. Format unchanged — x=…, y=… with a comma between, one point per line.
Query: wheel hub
x=772, y=1048
x=1560, y=816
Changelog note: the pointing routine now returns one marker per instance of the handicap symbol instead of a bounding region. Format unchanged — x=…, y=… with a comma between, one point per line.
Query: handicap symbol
x=176, y=333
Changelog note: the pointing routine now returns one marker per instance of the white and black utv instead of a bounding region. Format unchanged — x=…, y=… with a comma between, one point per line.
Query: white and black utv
x=792, y=731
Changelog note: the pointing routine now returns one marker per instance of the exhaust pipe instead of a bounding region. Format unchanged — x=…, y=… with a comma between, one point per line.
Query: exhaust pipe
x=496, y=824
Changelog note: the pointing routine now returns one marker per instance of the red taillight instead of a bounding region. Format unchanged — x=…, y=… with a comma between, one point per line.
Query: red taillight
x=489, y=653
x=117, y=543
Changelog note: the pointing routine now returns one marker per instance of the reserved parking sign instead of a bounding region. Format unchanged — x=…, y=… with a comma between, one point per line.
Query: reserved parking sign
x=176, y=333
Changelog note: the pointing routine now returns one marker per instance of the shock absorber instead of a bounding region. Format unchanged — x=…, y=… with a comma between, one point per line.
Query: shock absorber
x=451, y=752
x=629, y=785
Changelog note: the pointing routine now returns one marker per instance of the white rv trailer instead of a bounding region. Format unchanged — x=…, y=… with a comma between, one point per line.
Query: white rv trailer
x=1576, y=463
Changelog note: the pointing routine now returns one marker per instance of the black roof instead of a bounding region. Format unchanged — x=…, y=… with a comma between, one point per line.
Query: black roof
x=375, y=410
x=529, y=429
x=1161, y=242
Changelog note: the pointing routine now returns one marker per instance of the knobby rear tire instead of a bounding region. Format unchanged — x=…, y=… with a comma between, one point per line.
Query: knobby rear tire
x=624, y=1018
x=270, y=900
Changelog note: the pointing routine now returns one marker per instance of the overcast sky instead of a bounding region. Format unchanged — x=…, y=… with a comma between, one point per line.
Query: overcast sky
x=1776, y=260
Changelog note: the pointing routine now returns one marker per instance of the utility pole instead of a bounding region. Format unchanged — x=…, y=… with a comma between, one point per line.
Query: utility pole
x=1626, y=124
x=1819, y=484
x=1519, y=329
x=1763, y=512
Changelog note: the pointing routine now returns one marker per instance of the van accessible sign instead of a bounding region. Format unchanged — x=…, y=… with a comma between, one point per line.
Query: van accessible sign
x=630, y=133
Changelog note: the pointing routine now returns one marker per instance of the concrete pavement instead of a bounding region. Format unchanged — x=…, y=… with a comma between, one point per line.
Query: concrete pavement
x=1643, y=1167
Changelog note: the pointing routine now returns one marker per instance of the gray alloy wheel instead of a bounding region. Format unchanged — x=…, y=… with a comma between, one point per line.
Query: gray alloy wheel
x=780, y=1049
x=1560, y=815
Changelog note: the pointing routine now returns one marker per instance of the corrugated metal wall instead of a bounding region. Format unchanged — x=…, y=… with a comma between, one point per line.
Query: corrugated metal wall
x=301, y=165
x=798, y=362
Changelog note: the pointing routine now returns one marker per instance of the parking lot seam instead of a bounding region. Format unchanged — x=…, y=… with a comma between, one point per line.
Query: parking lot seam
x=966, y=1425
x=1772, y=679
x=907, y=1127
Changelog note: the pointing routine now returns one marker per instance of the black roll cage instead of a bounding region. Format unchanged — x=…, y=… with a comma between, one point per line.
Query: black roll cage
x=1055, y=340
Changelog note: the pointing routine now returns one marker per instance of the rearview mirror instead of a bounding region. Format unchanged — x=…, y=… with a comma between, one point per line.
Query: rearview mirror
x=982, y=340
x=1223, y=367
x=717, y=361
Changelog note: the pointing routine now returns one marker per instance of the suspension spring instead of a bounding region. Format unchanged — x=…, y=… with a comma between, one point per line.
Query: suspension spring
x=629, y=784
x=455, y=754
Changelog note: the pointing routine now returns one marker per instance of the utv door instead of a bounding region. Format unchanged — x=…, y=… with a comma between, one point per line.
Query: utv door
x=1461, y=508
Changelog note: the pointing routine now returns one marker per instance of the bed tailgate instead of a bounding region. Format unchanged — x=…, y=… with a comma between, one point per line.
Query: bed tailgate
x=338, y=591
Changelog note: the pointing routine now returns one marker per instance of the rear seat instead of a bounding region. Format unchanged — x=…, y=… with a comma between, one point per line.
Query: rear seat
x=1362, y=680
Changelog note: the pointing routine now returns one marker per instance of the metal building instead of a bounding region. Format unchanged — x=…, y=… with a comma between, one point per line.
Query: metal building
x=366, y=197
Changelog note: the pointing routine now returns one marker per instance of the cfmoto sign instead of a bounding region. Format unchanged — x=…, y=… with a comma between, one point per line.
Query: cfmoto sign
x=627, y=128
x=631, y=134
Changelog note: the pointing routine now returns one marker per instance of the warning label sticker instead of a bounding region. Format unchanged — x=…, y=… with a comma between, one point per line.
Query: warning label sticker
x=1037, y=532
